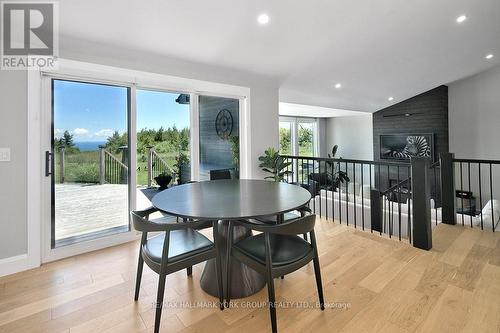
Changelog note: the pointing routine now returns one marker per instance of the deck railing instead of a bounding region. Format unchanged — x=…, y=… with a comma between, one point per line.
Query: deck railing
x=157, y=165
x=111, y=169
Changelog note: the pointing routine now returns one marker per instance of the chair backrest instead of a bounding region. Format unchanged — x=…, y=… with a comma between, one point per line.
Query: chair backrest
x=141, y=222
x=298, y=226
x=220, y=174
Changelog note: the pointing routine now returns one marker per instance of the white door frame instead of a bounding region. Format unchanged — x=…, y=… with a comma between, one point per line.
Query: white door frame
x=39, y=114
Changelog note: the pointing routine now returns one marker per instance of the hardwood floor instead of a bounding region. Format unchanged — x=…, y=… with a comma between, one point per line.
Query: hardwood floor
x=371, y=284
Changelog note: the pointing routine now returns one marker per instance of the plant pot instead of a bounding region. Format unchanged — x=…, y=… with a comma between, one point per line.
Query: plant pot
x=163, y=181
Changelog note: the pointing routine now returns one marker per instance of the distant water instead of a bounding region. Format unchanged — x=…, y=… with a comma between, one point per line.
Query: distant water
x=89, y=145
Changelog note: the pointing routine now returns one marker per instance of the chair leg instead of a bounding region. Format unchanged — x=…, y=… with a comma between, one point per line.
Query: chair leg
x=159, y=301
x=140, y=265
x=189, y=271
x=272, y=302
x=319, y=285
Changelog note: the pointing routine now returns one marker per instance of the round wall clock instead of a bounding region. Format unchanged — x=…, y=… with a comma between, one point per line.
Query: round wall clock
x=224, y=124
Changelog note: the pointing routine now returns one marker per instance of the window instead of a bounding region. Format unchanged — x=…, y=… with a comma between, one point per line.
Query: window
x=298, y=136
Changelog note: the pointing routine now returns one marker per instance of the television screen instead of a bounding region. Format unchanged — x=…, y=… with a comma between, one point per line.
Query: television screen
x=405, y=146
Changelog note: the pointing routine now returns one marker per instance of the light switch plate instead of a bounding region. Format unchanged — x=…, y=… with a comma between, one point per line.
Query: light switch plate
x=4, y=154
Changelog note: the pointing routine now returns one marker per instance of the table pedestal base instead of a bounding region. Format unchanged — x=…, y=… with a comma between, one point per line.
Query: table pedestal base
x=244, y=280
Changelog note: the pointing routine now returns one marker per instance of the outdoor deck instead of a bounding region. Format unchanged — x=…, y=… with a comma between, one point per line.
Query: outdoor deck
x=85, y=208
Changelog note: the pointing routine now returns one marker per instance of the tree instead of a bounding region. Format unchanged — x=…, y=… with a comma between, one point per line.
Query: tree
x=159, y=135
x=68, y=139
x=116, y=141
x=66, y=142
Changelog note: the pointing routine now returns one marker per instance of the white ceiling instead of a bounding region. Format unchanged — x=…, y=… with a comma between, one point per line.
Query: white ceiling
x=376, y=49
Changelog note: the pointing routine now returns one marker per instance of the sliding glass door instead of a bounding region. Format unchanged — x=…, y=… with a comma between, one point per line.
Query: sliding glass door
x=110, y=147
x=90, y=161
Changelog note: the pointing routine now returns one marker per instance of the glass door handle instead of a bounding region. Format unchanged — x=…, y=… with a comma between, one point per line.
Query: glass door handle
x=48, y=164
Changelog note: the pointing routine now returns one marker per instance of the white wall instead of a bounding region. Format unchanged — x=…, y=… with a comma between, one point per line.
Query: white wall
x=353, y=135
x=13, y=116
x=474, y=116
x=474, y=125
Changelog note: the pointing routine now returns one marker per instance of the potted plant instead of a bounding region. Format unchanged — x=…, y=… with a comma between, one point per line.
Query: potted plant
x=163, y=179
x=337, y=176
x=273, y=163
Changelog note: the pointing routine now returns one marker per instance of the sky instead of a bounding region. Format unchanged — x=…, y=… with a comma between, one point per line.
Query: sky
x=92, y=112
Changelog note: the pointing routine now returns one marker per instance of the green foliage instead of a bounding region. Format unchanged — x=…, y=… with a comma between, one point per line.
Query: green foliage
x=116, y=141
x=285, y=141
x=180, y=160
x=234, y=141
x=305, y=141
x=82, y=173
x=306, y=147
x=66, y=142
x=274, y=164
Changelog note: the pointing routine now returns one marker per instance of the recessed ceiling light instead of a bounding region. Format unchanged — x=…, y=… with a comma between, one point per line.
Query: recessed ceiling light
x=338, y=86
x=489, y=56
x=461, y=18
x=390, y=99
x=263, y=19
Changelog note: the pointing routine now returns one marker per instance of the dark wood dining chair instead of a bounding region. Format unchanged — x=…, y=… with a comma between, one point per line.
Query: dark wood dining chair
x=178, y=247
x=277, y=251
x=220, y=174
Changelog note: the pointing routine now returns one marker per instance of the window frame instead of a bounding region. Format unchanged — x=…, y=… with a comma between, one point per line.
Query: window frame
x=295, y=121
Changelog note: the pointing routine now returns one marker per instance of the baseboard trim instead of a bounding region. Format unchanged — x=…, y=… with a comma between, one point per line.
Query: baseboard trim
x=14, y=264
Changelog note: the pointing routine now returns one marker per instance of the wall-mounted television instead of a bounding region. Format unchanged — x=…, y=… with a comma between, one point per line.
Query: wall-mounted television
x=402, y=147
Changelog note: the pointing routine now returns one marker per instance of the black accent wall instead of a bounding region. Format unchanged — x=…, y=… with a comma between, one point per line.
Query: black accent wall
x=427, y=113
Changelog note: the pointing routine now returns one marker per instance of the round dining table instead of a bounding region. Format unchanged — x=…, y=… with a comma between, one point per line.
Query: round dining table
x=224, y=201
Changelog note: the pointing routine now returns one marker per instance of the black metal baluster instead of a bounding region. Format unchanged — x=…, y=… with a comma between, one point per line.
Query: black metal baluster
x=468, y=178
x=410, y=200
x=480, y=195
x=370, y=172
x=435, y=194
x=399, y=204
x=331, y=163
x=362, y=198
x=319, y=186
x=462, y=192
x=383, y=200
x=347, y=196
x=287, y=170
x=326, y=188
x=384, y=206
x=354, y=193
x=340, y=195
x=491, y=200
